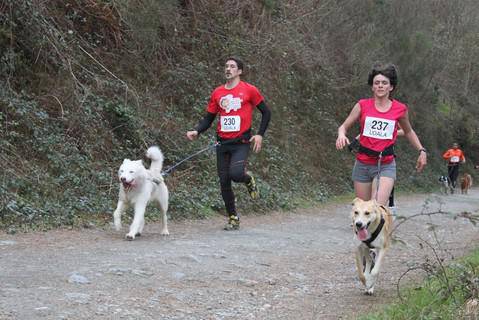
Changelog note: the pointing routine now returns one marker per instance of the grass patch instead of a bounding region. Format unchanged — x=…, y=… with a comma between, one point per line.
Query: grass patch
x=447, y=294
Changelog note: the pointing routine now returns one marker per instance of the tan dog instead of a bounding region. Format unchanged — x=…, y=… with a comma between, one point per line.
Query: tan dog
x=466, y=183
x=372, y=225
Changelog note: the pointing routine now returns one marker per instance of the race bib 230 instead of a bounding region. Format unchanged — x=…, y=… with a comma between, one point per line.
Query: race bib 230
x=230, y=123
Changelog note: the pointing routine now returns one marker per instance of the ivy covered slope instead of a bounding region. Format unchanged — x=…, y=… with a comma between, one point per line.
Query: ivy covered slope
x=86, y=83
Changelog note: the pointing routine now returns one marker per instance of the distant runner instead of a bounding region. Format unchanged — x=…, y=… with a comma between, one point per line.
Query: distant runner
x=454, y=157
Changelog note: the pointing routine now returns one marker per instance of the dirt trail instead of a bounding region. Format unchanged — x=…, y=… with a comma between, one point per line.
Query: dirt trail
x=280, y=266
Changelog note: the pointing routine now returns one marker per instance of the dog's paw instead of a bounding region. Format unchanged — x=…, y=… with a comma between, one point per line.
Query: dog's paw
x=370, y=282
x=369, y=291
x=165, y=232
x=130, y=236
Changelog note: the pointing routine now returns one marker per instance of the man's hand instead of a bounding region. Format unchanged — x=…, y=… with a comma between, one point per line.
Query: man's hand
x=257, y=142
x=192, y=135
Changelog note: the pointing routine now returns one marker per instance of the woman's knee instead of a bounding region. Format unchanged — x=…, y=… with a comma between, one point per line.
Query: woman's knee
x=363, y=190
x=386, y=185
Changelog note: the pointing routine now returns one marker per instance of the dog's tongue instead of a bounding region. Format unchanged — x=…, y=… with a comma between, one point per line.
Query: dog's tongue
x=362, y=234
x=127, y=185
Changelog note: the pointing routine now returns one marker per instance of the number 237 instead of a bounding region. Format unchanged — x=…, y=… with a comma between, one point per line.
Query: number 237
x=379, y=125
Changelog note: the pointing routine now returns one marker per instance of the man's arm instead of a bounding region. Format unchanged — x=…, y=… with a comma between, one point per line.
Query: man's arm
x=265, y=117
x=257, y=139
x=202, y=126
x=463, y=158
x=206, y=122
x=447, y=155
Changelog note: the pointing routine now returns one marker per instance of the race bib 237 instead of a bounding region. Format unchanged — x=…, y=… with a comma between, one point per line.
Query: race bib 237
x=379, y=128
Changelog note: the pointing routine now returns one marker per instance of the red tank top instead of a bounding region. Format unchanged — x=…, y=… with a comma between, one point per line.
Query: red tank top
x=378, y=129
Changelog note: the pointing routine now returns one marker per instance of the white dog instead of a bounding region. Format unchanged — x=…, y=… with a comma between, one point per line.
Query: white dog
x=138, y=186
x=372, y=225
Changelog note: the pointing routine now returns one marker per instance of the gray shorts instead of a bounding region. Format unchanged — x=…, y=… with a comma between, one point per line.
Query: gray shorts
x=367, y=172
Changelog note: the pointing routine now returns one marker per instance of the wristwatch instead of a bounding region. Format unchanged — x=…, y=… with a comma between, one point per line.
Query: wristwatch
x=423, y=150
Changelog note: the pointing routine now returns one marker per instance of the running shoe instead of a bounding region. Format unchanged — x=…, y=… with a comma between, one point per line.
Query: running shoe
x=252, y=188
x=233, y=223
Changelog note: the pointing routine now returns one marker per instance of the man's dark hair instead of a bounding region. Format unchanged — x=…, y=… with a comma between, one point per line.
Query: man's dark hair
x=239, y=63
x=388, y=70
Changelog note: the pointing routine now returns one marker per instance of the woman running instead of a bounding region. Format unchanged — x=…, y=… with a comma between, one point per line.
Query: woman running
x=379, y=118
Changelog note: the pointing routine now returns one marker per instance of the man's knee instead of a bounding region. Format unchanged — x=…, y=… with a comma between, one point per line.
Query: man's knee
x=238, y=176
x=237, y=172
x=225, y=180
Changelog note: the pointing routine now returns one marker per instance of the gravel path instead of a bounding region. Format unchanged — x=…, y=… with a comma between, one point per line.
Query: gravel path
x=295, y=265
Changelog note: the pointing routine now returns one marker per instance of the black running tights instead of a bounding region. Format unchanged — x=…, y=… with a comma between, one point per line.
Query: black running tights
x=231, y=160
x=453, y=173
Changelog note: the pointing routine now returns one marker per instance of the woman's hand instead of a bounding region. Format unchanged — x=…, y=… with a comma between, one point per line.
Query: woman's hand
x=421, y=161
x=341, y=142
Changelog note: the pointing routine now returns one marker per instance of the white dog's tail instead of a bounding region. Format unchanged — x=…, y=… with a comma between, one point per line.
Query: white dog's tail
x=154, y=153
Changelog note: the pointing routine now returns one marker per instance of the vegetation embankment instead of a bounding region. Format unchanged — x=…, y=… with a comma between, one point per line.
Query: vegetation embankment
x=86, y=83
x=450, y=292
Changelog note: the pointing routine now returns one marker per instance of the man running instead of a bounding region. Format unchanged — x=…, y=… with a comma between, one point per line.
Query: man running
x=454, y=157
x=234, y=102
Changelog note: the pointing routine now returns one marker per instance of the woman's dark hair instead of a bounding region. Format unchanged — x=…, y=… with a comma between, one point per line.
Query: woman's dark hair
x=239, y=63
x=388, y=70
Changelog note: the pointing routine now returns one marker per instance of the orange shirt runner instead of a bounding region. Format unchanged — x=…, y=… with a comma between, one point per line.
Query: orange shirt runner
x=454, y=156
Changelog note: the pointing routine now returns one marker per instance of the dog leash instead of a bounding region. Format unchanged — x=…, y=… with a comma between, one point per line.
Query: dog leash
x=211, y=146
x=171, y=168
x=379, y=174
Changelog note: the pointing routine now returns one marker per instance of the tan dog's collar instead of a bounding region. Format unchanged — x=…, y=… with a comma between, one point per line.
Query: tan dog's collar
x=375, y=234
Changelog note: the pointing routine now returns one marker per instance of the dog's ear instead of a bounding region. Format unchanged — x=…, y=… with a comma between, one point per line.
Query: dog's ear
x=356, y=200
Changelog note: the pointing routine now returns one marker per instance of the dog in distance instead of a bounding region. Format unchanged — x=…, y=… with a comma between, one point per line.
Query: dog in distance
x=466, y=183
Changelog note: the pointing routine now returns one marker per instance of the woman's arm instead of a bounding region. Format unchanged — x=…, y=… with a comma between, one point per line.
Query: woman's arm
x=413, y=139
x=353, y=116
